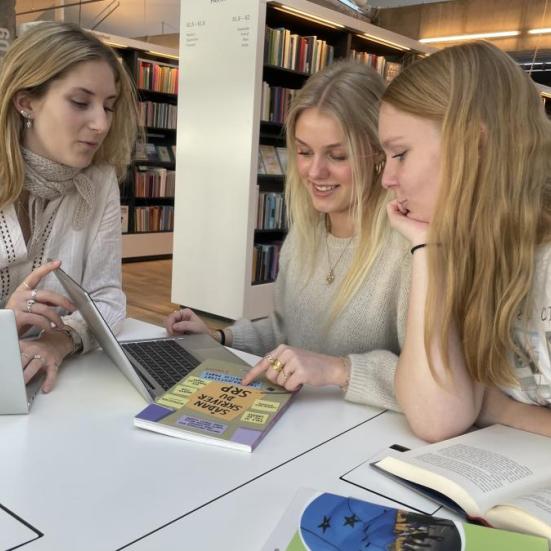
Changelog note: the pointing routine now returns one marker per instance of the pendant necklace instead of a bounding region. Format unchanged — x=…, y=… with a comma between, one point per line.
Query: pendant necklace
x=331, y=275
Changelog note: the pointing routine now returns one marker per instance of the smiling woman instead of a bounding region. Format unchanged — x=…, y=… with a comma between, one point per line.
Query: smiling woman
x=69, y=116
x=341, y=292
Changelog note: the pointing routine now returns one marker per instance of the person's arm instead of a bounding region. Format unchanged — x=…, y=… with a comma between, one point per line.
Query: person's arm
x=439, y=406
x=444, y=403
x=497, y=407
x=101, y=274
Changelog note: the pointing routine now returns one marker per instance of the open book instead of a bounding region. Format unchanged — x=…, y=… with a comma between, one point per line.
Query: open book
x=498, y=474
x=209, y=405
x=317, y=521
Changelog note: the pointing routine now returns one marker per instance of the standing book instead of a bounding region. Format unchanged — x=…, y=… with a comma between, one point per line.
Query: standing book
x=317, y=521
x=209, y=405
x=499, y=475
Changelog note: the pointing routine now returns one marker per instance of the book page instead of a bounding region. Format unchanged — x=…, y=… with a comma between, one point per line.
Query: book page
x=491, y=465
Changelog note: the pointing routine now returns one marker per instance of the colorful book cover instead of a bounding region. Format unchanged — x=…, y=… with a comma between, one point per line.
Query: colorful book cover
x=211, y=406
x=317, y=521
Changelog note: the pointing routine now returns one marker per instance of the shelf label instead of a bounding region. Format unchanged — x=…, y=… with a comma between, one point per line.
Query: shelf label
x=243, y=28
x=191, y=37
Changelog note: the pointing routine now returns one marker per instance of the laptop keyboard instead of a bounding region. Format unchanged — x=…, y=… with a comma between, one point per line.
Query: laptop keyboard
x=165, y=361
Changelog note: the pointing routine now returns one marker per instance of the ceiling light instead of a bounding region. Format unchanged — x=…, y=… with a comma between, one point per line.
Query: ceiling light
x=458, y=37
x=309, y=17
x=540, y=31
x=383, y=41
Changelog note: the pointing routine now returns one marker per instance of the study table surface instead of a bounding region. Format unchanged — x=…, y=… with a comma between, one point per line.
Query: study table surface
x=79, y=472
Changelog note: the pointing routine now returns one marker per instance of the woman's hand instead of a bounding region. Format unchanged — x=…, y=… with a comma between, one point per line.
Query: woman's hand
x=185, y=321
x=413, y=230
x=292, y=367
x=33, y=307
x=44, y=354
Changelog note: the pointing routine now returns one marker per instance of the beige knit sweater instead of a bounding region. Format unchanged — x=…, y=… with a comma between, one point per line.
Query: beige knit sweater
x=370, y=330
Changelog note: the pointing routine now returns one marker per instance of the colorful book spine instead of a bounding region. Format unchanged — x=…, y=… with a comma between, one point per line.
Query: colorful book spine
x=157, y=77
x=306, y=54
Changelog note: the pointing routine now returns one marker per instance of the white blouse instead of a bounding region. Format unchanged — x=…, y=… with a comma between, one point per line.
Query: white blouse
x=91, y=256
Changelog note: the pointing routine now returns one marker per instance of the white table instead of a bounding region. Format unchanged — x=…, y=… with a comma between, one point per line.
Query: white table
x=79, y=472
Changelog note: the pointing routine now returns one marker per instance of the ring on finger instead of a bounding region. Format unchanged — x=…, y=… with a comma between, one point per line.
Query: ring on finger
x=269, y=358
x=30, y=303
x=26, y=285
x=277, y=365
x=284, y=375
x=39, y=357
x=34, y=294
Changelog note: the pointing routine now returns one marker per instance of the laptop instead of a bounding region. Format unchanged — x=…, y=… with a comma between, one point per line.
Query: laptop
x=151, y=365
x=15, y=396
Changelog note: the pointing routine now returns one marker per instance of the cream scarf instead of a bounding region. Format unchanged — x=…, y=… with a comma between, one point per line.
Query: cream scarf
x=47, y=183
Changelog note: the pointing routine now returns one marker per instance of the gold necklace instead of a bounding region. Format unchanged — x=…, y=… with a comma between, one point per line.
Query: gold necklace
x=331, y=275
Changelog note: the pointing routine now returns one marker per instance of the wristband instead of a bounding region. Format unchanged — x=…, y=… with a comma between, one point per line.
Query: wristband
x=76, y=339
x=413, y=249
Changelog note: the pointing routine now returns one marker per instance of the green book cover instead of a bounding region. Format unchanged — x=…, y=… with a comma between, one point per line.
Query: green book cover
x=209, y=405
x=317, y=521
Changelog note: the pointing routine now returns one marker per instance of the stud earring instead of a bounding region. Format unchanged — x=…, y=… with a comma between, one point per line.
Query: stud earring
x=28, y=119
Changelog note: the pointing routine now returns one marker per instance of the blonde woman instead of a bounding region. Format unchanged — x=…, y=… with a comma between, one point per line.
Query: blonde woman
x=341, y=292
x=68, y=115
x=468, y=156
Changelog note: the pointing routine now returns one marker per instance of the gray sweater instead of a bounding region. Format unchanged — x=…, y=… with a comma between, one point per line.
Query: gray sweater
x=369, y=331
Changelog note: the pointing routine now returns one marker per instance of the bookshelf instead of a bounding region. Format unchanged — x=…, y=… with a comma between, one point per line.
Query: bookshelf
x=222, y=126
x=147, y=194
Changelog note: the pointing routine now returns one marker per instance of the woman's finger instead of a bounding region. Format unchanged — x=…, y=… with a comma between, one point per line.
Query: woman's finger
x=45, y=312
x=253, y=373
x=25, y=320
x=49, y=298
x=51, y=375
x=34, y=278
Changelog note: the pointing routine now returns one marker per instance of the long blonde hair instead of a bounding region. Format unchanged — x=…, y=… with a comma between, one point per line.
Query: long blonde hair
x=494, y=204
x=350, y=92
x=46, y=52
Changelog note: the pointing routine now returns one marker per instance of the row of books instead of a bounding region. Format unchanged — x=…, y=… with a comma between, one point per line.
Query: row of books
x=154, y=152
x=265, y=262
x=271, y=211
x=158, y=77
x=306, y=54
x=158, y=115
x=275, y=102
x=153, y=218
x=272, y=160
x=387, y=69
x=154, y=182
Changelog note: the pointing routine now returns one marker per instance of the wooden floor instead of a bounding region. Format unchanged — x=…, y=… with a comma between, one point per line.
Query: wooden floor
x=148, y=287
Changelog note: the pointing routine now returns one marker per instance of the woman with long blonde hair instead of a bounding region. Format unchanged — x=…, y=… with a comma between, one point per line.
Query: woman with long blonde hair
x=341, y=293
x=468, y=156
x=68, y=114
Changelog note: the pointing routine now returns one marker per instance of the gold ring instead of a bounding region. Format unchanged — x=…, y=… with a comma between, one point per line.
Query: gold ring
x=277, y=365
x=27, y=286
x=269, y=358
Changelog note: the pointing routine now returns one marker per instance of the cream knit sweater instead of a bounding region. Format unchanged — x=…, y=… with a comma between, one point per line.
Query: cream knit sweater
x=370, y=330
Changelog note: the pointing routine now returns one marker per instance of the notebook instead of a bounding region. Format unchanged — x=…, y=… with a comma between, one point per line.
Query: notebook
x=151, y=365
x=15, y=396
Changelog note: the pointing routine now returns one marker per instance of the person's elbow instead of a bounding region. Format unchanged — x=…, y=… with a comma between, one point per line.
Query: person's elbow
x=437, y=426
